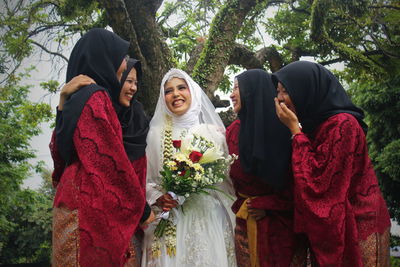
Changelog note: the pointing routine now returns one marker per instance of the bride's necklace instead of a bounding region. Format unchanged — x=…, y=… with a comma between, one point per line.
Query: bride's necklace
x=170, y=227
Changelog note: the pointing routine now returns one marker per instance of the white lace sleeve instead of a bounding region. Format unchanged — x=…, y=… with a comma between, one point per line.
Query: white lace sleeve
x=153, y=152
x=152, y=187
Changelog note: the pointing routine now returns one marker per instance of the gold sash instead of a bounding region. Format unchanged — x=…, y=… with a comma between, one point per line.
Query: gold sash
x=251, y=230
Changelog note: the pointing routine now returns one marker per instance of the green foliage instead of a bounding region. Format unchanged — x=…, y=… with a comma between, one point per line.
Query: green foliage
x=394, y=241
x=46, y=188
x=388, y=160
x=19, y=121
x=394, y=261
x=29, y=240
x=365, y=34
x=290, y=28
x=51, y=86
x=23, y=24
x=185, y=24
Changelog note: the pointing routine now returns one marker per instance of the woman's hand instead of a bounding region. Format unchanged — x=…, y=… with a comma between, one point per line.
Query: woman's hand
x=257, y=214
x=149, y=220
x=166, y=202
x=287, y=117
x=72, y=86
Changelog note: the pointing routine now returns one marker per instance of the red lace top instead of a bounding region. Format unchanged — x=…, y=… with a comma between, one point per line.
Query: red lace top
x=337, y=196
x=276, y=241
x=101, y=184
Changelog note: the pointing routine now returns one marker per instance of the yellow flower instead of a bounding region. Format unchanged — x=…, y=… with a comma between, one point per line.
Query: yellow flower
x=180, y=157
x=197, y=167
x=171, y=163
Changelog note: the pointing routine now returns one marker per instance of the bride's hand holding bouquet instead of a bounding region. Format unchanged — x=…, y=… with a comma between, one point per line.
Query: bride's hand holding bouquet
x=192, y=165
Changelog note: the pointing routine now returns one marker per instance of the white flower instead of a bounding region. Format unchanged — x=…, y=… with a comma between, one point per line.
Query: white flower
x=211, y=154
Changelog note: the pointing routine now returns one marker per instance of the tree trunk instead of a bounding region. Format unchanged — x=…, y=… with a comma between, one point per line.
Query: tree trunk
x=225, y=27
x=135, y=20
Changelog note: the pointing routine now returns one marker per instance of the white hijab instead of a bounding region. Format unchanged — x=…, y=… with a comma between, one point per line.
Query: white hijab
x=201, y=111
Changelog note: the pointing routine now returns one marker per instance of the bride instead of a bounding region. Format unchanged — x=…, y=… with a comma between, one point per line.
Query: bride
x=204, y=223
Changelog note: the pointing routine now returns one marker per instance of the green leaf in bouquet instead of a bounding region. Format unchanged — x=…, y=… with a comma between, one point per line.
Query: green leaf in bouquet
x=187, y=174
x=203, y=192
x=160, y=229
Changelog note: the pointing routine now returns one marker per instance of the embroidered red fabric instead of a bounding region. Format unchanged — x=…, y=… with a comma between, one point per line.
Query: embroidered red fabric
x=276, y=241
x=336, y=193
x=101, y=184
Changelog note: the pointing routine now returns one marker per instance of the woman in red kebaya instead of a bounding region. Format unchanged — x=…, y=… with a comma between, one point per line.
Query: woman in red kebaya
x=100, y=199
x=337, y=200
x=261, y=177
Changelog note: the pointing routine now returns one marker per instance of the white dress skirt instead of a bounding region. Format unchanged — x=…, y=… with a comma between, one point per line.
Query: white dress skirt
x=204, y=235
x=204, y=223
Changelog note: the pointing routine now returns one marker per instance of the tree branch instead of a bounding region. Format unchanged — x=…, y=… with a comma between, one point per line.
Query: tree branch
x=155, y=4
x=248, y=59
x=218, y=103
x=340, y=59
x=319, y=34
x=48, y=51
x=194, y=56
x=152, y=46
x=385, y=6
x=225, y=27
x=121, y=23
x=299, y=10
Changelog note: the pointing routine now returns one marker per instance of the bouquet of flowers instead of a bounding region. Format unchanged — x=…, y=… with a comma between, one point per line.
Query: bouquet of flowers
x=191, y=165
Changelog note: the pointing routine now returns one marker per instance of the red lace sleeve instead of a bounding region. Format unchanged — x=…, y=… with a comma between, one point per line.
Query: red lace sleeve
x=323, y=170
x=232, y=137
x=111, y=199
x=59, y=163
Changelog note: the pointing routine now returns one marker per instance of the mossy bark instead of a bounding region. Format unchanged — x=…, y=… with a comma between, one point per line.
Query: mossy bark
x=135, y=20
x=226, y=25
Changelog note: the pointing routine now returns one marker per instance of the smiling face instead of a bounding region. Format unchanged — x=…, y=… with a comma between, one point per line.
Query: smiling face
x=129, y=88
x=235, y=97
x=284, y=97
x=177, y=96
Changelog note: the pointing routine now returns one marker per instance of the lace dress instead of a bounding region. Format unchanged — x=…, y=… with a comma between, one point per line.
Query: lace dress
x=204, y=229
x=338, y=203
x=276, y=242
x=99, y=199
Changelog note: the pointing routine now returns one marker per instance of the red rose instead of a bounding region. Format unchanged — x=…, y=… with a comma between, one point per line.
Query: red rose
x=176, y=143
x=195, y=156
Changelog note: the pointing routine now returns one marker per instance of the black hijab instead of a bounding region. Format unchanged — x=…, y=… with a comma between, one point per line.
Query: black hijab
x=134, y=121
x=264, y=142
x=316, y=93
x=98, y=54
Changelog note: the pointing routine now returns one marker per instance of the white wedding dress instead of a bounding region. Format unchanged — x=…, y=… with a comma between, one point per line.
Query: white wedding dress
x=204, y=223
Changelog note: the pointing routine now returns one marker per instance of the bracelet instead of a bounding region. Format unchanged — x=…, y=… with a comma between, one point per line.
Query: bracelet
x=293, y=135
